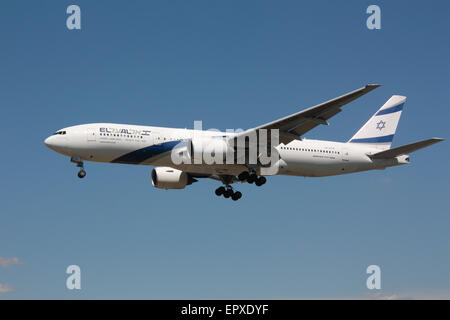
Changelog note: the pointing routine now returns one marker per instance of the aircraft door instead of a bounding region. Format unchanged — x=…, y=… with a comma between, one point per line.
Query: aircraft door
x=91, y=135
x=345, y=154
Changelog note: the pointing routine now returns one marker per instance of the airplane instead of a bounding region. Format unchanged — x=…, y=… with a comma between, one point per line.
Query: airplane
x=368, y=149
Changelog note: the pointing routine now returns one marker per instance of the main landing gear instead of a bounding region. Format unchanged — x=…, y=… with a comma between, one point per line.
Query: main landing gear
x=246, y=176
x=79, y=162
x=228, y=192
x=252, y=177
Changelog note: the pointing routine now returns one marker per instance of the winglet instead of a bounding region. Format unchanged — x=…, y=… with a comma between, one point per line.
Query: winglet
x=373, y=86
x=369, y=87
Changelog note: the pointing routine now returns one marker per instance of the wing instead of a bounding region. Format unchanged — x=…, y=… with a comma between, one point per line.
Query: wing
x=297, y=124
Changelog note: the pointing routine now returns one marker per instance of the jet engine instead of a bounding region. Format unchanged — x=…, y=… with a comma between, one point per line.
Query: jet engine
x=169, y=178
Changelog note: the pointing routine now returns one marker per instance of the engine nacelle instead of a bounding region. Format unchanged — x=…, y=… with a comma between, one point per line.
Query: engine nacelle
x=209, y=150
x=170, y=178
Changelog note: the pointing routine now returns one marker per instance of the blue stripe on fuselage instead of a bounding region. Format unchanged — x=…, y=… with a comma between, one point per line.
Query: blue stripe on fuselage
x=140, y=155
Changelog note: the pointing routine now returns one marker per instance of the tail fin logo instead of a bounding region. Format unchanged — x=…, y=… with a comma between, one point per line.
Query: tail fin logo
x=380, y=129
x=381, y=125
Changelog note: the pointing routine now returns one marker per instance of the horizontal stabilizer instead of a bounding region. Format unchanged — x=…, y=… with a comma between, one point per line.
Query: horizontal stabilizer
x=407, y=148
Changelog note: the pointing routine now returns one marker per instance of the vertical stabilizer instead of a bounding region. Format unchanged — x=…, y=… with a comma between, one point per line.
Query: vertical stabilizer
x=380, y=129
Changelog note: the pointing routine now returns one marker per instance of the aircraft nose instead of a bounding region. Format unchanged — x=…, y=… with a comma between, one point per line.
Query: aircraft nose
x=48, y=142
x=56, y=143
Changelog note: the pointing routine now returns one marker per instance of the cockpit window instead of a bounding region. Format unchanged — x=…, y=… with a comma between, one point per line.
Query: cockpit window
x=59, y=132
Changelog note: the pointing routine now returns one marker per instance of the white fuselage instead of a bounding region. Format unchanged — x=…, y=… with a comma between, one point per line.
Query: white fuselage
x=145, y=145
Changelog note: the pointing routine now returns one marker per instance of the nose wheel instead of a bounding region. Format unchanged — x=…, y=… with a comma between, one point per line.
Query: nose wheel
x=228, y=192
x=81, y=174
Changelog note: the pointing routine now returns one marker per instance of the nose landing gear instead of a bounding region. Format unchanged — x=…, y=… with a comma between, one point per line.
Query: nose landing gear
x=79, y=162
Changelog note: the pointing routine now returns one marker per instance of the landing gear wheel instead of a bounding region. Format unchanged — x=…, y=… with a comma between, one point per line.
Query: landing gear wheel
x=81, y=174
x=228, y=193
x=252, y=178
x=236, y=196
x=220, y=191
x=243, y=176
x=260, y=181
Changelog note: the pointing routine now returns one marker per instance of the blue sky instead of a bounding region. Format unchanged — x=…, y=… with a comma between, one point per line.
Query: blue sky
x=231, y=64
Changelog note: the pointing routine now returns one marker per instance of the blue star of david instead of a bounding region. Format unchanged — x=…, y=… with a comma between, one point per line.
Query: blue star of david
x=381, y=125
